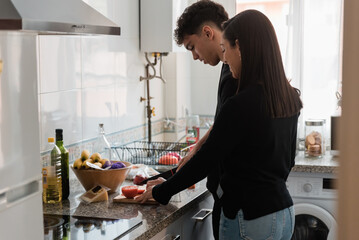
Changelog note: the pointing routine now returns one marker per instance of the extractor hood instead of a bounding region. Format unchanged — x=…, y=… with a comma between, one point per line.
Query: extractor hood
x=54, y=17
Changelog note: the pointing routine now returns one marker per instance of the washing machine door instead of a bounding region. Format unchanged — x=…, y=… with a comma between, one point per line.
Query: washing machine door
x=313, y=223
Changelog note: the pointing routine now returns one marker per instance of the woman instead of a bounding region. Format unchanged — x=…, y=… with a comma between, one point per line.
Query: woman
x=253, y=138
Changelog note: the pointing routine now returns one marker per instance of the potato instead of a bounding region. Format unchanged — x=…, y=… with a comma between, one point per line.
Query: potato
x=85, y=155
x=77, y=163
x=96, y=157
x=84, y=165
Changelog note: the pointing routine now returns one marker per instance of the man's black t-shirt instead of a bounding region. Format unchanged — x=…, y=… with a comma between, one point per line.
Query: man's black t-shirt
x=227, y=88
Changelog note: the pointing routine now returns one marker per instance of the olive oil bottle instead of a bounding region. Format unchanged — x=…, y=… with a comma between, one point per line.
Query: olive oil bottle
x=64, y=164
x=51, y=175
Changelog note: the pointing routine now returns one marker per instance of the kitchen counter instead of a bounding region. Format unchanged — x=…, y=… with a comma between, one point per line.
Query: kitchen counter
x=326, y=164
x=154, y=217
x=157, y=217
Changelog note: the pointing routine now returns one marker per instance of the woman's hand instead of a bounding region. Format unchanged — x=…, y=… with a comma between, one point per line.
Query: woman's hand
x=148, y=193
x=145, y=196
x=155, y=182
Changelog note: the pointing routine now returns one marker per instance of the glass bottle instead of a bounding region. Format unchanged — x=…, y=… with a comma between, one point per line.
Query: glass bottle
x=192, y=129
x=51, y=175
x=64, y=164
x=314, y=138
x=102, y=146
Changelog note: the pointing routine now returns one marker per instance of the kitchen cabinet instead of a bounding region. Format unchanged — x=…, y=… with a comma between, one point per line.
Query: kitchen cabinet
x=194, y=229
x=188, y=228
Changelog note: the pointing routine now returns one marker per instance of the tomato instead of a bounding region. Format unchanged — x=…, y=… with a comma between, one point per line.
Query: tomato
x=140, y=190
x=175, y=155
x=192, y=187
x=168, y=160
x=138, y=179
x=130, y=191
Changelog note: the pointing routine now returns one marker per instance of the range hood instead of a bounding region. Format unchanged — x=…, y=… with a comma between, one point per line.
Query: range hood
x=54, y=17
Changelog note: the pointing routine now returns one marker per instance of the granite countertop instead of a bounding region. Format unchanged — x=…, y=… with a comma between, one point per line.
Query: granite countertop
x=326, y=164
x=157, y=217
x=154, y=217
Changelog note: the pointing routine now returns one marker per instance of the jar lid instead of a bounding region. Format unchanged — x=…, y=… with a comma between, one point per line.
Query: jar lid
x=314, y=122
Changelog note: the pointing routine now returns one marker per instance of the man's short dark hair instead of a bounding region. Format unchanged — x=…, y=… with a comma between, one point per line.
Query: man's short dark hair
x=196, y=15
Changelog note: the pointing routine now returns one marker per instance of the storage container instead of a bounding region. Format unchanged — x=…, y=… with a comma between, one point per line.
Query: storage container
x=314, y=138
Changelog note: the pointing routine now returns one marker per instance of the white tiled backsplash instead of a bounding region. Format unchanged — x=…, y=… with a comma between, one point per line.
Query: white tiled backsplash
x=84, y=81
x=87, y=80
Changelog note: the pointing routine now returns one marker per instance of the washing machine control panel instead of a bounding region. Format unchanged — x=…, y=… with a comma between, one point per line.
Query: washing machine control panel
x=316, y=187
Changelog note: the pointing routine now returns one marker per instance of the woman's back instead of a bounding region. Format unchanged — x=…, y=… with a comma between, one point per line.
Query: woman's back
x=259, y=154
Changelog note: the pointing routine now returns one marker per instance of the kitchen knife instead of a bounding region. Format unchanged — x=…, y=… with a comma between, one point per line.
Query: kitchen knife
x=165, y=175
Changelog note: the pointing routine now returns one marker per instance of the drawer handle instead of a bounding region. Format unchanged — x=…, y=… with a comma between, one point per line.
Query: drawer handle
x=202, y=214
x=177, y=237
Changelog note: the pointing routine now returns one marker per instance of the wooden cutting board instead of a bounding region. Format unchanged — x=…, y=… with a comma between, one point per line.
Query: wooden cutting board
x=122, y=199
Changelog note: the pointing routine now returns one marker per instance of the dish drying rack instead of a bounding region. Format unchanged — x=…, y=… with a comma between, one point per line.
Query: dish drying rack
x=148, y=153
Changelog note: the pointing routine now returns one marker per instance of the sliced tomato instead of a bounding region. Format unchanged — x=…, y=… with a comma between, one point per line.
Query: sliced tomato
x=140, y=190
x=129, y=191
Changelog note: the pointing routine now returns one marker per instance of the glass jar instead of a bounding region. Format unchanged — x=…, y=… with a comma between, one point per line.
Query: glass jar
x=192, y=129
x=314, y=138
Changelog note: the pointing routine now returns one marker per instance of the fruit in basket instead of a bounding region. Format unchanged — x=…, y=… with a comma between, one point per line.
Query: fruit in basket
x=106, y=164
x=103, y=161
x=130, y=191
x=117, y=165
x=85, y=155
x=84, y=164
x=110, y=178
x=96, y=157
x=168, y=160
x=78, y=163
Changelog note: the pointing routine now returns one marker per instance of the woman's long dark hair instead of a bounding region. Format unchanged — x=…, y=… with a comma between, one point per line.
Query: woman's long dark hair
x=262, y=62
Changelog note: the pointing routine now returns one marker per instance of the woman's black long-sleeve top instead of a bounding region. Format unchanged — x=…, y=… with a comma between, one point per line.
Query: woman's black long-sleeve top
x=256, y=153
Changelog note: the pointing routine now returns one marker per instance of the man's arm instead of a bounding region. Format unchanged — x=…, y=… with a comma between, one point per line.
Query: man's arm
x=194, y=150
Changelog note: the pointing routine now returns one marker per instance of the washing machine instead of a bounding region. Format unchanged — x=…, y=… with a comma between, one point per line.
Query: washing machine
x=314, y=196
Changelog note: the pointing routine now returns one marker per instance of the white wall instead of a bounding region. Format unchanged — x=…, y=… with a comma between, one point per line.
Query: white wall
x=204, y=99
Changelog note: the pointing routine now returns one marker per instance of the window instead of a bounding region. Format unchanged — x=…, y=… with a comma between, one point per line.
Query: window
x=309, y=35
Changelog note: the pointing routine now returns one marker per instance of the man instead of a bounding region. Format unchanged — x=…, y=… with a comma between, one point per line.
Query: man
x=199, y=30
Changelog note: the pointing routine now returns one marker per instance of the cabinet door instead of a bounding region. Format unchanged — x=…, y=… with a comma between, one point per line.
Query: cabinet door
x=188, y=228
x=195, y=229
x=172, y=232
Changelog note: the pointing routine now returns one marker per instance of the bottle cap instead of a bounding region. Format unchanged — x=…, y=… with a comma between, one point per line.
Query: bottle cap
x=50, y=139
x=59, y=134
x=100, y=125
